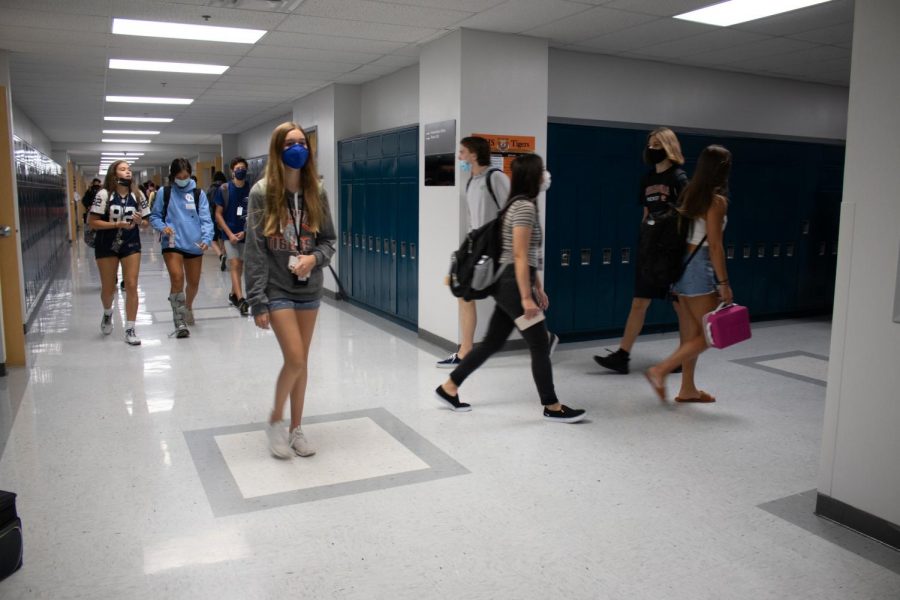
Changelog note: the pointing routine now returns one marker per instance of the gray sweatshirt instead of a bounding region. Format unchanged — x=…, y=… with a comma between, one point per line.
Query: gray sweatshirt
x=266, y=272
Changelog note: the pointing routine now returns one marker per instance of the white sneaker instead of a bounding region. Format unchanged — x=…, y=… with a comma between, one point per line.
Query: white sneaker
x=131, y=338
x=278, y=440
x=300, y=444
x=106, y=325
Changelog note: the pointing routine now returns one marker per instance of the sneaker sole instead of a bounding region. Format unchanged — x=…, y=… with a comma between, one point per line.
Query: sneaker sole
x=184, y=333
x=280, y=455
x=137, y=343
x=443, y=366
x=624, y=371
x=297, y=452
x=566, y=419
x=453, y=408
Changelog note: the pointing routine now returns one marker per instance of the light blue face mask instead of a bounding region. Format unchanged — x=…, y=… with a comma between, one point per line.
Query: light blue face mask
x=464, y=166
x=182, y=183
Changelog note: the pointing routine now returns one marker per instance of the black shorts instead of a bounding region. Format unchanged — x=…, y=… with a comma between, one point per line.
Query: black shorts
x=647, y=289
x=122, y=253
x=185, y=255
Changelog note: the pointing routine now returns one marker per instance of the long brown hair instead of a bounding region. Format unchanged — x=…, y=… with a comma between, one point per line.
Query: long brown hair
x=111, y=181
x=710, y=179
x=275, y=207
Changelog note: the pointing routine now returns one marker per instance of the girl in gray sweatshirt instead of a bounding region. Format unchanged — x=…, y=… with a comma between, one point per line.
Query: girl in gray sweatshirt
x=290, y=239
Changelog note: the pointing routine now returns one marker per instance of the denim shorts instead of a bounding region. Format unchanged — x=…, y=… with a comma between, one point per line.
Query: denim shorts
x=699, y=278
x=284, y=303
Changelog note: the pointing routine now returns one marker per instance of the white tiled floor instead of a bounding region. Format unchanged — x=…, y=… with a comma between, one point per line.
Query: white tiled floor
x=807, y=366
x=642, y=501
x=361, y=450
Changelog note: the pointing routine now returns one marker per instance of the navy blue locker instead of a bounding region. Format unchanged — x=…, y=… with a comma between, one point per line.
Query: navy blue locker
x=358, y=208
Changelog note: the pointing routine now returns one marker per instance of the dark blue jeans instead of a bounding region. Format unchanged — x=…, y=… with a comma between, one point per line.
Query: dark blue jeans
x=507, y=310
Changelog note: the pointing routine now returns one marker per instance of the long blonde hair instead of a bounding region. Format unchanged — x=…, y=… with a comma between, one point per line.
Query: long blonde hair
x=669, y=141
x=275, y=210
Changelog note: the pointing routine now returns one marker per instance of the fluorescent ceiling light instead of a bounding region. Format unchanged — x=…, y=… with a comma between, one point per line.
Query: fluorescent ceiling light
x=168, y=67
x=130, y=132
x=184, y=31
x=733, y=12
x=110, y=141
x=148, y=100
x=140, y=119
x=124, y=153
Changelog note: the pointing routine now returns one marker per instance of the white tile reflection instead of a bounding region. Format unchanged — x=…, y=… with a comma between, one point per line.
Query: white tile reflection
x=157, y=365
x=157, y=405
x=202, y=548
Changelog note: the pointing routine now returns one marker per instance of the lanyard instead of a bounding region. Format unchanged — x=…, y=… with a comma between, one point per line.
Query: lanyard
x=297, y=212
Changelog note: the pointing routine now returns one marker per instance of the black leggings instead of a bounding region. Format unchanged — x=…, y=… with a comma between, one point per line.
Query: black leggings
x=509, y=308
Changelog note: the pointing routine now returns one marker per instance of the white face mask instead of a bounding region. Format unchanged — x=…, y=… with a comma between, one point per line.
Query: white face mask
x=545, y=181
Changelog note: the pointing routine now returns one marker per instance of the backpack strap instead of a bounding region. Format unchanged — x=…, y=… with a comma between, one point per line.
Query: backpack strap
x=224, y=189
x=167, y=193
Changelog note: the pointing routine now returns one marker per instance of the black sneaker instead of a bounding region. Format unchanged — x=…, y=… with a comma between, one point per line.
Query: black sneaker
x=615, y=361
x=451, y=401
x=223, y=260
x=245, y=308
x=564, y=414
x=234, y=300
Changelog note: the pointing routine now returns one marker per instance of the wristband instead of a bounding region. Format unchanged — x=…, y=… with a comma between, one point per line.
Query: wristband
x=725, y=282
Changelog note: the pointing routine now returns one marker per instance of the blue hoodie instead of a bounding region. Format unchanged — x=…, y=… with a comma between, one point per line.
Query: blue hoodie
x=187, y=215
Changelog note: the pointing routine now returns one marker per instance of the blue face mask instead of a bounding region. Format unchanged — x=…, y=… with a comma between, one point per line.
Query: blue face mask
x=182, y=183
x=240, y=174
x=464, y=166
x=296, y=156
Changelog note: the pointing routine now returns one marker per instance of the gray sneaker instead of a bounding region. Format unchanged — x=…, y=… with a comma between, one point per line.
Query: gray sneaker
x=131, y=338
x=300, y=444
x=106, y=325
x=279, y=445
x=188, y=316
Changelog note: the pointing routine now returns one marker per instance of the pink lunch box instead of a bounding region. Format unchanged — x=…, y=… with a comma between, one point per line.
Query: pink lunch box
x=727, y=325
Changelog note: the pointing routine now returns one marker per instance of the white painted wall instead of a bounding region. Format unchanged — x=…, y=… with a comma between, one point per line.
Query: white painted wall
x=255, y=141
x=439, y=217
x=495, y=69
x=861, y=446
x=391, y=101
x=25, y=128
x=605, y=88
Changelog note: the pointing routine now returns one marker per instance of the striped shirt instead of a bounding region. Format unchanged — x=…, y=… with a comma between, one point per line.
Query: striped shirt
x=522, y=213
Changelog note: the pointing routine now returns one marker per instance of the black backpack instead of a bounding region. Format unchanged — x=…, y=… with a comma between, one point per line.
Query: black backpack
x=487, y=181
x=474, y=266
x=662, y=246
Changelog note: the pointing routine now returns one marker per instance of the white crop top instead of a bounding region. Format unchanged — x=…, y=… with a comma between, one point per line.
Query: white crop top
x=698, y=231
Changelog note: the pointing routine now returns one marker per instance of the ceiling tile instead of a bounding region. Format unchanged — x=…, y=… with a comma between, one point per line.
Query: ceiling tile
x=395, y=61
x=648, y=34
x=352, y=58
x=589, y=24
x=39, y=20
x=704, y=42
x=354, y=29
x=330, y=42
x=465, y=5
x=383, y=12
x=516, y=16
x=811, y=18
x=761, y=48
x=836, y=34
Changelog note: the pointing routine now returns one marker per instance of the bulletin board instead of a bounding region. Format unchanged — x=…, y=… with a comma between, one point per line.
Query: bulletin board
x=505, y=148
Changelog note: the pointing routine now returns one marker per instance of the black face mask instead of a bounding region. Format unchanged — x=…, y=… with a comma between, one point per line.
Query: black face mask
x=654, y=156
x=125, y=182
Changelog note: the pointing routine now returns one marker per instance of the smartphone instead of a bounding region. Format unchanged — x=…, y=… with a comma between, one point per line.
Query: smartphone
x=522, y=323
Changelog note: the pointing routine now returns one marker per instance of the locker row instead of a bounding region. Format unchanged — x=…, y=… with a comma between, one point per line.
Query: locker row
x=781, y=238
x=379, y=221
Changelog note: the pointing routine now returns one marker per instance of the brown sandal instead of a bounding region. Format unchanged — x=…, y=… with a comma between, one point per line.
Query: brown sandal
x=704, y=398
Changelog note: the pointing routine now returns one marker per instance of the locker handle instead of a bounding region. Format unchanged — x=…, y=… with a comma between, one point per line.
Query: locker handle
x=565, y=257
x=805, y=227
x=412, y=250
x=729, y=252
x=760, y=251
x=377, y=247
x=626, y=256
x=371, y=242
x=822, y=249
x=789, y=250
x=387, y=246
x=776, y=250
x=393, y=247
x=585, y=257
x=834, y=249
x=344, y=238
x=607, y=256
x=402, y=249
x=356, y=240
x=746, y=250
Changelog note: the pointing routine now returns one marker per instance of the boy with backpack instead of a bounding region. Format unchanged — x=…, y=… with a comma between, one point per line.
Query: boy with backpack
x=231, y=216
x=487, y=191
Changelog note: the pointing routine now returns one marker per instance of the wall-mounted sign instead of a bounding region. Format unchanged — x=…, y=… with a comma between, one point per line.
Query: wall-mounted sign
x=440, y=153
x=504, y=148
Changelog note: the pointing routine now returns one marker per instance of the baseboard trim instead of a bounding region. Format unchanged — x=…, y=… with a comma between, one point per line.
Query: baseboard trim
x=858, y=520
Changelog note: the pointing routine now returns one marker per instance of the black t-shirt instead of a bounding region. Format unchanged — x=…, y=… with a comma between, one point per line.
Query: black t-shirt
x=659, y=191
x=117, y=209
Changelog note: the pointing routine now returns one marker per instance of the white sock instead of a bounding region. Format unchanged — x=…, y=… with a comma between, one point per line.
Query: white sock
x=129, y=324
x=107, y=312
